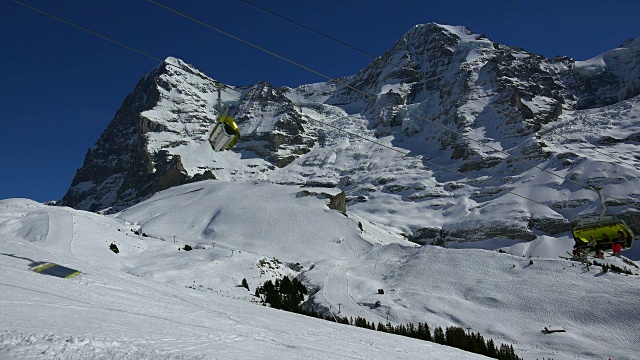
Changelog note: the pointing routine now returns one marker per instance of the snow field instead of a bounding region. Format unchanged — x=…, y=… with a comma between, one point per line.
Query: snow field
x=153, y=298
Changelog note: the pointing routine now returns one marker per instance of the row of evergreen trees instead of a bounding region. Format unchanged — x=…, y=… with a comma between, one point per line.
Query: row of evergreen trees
x=284, y=294
x=288, y=295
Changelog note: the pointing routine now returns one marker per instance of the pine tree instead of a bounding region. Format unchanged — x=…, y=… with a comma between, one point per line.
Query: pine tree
x=492, y=352
x=455, y=336
x=420, y=331
x=478, y=344
x=438, y=335
x=411, y=330
x=506, y=352
x=285, y=286
x=390, y=328
x=427, y=332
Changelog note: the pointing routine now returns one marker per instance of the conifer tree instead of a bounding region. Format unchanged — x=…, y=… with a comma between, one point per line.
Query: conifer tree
x=390, y=328
x=454, y=336
x=438, y=335
x=492, y=352
x=427, y=332
x=285, y=285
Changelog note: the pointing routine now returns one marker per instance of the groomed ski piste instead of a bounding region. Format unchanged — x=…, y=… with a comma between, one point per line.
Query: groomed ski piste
x=154, y=300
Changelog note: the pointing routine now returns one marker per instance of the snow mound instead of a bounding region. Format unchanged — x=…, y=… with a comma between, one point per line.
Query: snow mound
x=259, y=217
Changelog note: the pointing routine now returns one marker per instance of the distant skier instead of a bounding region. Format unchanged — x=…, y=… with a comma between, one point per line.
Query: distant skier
x=576, y=253
x=599, y=254
x=592, y=242
x=616, y=246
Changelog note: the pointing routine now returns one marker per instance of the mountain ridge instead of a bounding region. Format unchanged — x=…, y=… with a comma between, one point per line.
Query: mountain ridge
x=451, y=98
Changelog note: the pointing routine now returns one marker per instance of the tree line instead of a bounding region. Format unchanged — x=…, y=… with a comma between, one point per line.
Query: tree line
x=289, y=294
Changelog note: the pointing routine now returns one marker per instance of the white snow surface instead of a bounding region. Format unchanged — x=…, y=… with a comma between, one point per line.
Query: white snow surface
x=154, y=301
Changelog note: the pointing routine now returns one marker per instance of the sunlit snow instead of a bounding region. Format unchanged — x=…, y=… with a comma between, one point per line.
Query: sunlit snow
x=153, y=300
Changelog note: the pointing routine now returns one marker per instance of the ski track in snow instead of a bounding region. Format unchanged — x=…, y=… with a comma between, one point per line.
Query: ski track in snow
x=336, y=292
x=18, y=345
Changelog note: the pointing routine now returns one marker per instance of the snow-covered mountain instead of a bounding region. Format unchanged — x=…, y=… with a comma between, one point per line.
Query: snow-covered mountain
x=153, y=300
x=448, y=139
x=501, y=143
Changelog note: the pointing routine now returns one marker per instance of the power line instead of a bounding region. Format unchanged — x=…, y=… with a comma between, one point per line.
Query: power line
x=162, y=61
x=594, y=148
x=333, y=79
x=422, y=160
x=128, y=47
x=361, y=137
x=369, y=95
x=239, y=39
x=87, y=30
x=310, y=29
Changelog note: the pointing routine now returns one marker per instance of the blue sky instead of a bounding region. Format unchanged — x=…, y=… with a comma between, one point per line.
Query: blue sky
x=61, y=86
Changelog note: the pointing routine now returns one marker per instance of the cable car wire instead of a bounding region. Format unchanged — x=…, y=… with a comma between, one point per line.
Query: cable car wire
x=111, y=40
x=594, y=148
x=311, y=29
x=367, y=95
x=162, y=61
x=87, y=30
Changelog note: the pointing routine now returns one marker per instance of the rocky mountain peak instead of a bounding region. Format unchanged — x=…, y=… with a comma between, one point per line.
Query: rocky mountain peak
x=158, y=138
x=608, y=78
x=439, y=35
x=486, y=112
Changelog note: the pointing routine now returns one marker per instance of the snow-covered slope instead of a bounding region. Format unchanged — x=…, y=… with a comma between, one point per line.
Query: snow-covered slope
x=153, y=300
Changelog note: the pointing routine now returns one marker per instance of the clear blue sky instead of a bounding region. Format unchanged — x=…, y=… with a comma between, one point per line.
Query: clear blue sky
x=61, y=86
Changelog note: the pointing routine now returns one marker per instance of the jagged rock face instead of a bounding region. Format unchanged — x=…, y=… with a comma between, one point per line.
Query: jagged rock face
x=608, y=78
x=116, y=168
x=164, y=121
x=479, y=119
x=272, y=126
x=463, y=81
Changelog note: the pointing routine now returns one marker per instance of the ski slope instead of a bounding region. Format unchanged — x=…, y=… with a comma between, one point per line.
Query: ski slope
x=111, y=312
x=153, y=300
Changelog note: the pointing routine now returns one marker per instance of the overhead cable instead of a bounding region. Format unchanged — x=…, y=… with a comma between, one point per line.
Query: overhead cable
x=87, y=30
x=110, y=39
